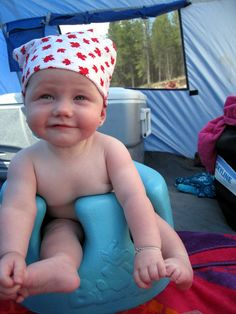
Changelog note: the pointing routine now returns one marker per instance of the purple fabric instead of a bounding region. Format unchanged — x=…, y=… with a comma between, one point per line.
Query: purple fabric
x=209, y=135
x=196, y=242
x=227, y=279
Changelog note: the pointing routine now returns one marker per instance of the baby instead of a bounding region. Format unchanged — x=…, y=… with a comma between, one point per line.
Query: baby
x=65, y=83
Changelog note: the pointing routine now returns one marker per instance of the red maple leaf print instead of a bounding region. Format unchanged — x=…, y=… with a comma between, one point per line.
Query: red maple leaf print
x=95, y=40
x=107, y=49
x=112, y=60
x=98, y=52
x=34, y=57
x=46, y=47
x=37, y=68
x=107, y=64
x=90, y=30
x=27, y=73
x=48, y=58
x=81, y=56
x=23, y=50
x=83, y=71
x=66, y=61
x=23, y=79
x=45, y=39
x=74, y=44
x=59, y=40
x=17, y=57
x=86, y=41
x=91, y=55
x=101, y=82
x=71, y=36
x=95, y=68
x=102, y=68
x=62, y=50
x=26, y=58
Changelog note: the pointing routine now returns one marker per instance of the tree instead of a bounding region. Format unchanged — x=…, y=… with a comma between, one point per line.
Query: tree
x=149, y=51
x=126, y=35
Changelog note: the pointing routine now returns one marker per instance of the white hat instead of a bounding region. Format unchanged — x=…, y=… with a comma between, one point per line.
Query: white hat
x=89, y=54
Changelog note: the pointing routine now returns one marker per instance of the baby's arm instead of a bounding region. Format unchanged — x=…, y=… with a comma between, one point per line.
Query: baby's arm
x=139, y=213
x=17, y=216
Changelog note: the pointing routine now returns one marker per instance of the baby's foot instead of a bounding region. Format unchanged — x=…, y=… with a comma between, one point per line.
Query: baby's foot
x=54, y=274
x=179, y=270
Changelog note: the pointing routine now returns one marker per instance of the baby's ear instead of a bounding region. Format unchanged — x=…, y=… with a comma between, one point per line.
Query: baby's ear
x=103, y=115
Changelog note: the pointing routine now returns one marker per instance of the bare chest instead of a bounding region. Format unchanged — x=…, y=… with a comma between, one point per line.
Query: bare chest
x=61, y=185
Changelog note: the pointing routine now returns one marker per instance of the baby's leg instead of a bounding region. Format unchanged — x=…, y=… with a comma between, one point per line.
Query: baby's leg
x=178, y=266
x=61, y=254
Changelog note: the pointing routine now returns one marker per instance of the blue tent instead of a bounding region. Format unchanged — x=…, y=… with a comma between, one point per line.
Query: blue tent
x=209, y=43
x=208, y=28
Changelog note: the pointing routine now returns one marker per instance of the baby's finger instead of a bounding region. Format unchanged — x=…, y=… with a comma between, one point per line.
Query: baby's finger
x=19, y=272
x=5, y=276
x=176, y=276
x=169, y=269
x=162, y=270
x=144, y=275
x=154, y=272
x=140, y=282
x=9, y=294
x=173, y=273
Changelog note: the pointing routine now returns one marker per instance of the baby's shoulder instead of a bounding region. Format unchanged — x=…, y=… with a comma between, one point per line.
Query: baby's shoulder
x=113, y=148
x=108, y=141
x=27, y=153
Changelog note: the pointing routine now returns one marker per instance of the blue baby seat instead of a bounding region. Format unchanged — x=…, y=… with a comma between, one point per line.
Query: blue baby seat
x=107, y=284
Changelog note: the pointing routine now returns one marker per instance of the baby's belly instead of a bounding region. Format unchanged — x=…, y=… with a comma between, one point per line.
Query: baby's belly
x=62, y=211
x=62, y=203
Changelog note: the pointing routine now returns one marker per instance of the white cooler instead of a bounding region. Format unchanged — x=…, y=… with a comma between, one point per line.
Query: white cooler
x=128, y=119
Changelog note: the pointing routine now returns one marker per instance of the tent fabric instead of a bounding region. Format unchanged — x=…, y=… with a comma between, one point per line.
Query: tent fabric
x=9, y=81
x=12, y=10
x=17, y=34
x=177, y=117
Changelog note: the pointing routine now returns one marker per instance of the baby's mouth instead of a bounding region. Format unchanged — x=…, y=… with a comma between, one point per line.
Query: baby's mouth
x=61, y=125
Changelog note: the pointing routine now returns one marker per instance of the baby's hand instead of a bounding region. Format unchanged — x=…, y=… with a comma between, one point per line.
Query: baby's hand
x=12, y=273
x=149, y=265
x=179, y=270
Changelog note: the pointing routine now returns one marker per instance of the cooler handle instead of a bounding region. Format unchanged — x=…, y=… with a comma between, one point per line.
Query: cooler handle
x=145, y=117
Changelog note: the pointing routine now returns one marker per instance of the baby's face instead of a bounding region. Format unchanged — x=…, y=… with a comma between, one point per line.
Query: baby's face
x=63, y=107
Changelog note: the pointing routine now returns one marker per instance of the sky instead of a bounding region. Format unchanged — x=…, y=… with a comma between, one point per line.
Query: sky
x=101, y=28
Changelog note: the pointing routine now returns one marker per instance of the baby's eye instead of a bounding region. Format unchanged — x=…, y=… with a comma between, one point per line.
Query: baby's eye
x=79, y=97
x=46, y=96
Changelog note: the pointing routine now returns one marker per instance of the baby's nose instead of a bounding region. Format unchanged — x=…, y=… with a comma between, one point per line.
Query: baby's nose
x=63, y=107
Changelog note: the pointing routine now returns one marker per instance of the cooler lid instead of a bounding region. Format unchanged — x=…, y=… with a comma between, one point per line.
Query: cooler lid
x=120, y=93
x=12, y=98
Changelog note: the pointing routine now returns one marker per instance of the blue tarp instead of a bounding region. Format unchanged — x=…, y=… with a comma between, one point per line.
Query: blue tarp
x=90, y=11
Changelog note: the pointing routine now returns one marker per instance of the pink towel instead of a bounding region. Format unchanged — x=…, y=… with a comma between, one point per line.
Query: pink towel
x=209, y=135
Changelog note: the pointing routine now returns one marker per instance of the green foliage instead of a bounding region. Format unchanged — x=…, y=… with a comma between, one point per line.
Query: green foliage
x=149, y=51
